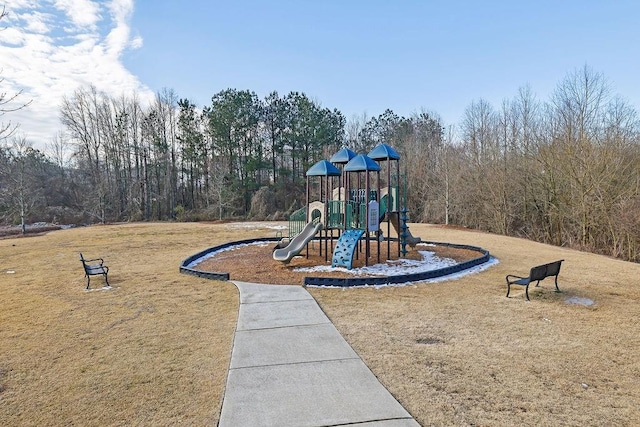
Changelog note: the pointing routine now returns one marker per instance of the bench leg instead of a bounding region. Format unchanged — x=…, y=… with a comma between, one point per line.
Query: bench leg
x=526, y=291
x=508, y=288
x=557, y=289
x=106, y=279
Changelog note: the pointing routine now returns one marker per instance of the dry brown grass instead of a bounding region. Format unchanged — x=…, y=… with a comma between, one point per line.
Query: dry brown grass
x=460, y=353
x=155, y=349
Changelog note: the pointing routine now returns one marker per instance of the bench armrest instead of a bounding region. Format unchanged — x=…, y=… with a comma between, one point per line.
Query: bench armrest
x=95, y=259
x=512, y=276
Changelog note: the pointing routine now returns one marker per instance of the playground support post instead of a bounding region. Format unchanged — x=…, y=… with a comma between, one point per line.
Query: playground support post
x=398, y=196
x=367, y=237
x=403, y=233
x=404, y=215
x=389, y=197
x=378, y=230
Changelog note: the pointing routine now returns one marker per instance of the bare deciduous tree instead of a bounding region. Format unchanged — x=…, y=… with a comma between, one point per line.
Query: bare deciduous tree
x=9, y=102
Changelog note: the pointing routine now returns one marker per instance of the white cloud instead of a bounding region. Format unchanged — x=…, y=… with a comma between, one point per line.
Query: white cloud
x=36, y=23
x=52, y=47
x=12, y=36
x=83, y=13
x=118, y=37
x=136, y=42
x=20, y=4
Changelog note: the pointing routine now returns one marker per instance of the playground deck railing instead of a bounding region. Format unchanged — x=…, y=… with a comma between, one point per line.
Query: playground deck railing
x=297, y=221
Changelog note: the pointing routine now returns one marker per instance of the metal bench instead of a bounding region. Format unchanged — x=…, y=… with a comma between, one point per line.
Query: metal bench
x=94, y=269
x=536, y=274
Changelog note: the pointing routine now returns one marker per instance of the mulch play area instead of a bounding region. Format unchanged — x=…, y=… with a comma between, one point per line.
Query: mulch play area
x=254, y=263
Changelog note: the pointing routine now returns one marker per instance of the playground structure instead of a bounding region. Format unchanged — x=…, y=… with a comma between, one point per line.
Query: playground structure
x=354, y=200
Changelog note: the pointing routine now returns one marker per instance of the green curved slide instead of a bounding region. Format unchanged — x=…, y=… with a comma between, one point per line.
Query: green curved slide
x=297, y=244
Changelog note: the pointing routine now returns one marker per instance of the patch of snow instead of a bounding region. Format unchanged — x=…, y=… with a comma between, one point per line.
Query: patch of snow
x=432, y=245
x=230, y=248
x=473, y=270
x=477, y=269
x=430, y=262
x=104, y=288
x=392, y=268
x=257, y=225
x=580, y=301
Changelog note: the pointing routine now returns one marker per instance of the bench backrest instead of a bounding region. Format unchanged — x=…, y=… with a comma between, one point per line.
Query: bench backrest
x=538, y=273
x=84, y=262
x=554, y=268
x=541, y=271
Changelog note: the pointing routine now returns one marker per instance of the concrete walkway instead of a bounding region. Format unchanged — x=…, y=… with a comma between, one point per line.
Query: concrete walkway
x=291, y=367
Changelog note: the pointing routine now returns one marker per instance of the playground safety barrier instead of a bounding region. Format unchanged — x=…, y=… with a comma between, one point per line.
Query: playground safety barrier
x=347, y=282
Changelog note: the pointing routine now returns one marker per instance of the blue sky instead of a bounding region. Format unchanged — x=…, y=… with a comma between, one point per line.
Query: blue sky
x=356, y=56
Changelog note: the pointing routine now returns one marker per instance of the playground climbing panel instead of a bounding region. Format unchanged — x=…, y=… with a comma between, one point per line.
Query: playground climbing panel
x=345, y=248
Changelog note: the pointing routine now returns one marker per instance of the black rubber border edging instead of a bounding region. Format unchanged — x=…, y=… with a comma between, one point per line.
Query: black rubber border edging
x=347, y=282
x=404, y=278
x=212, y=274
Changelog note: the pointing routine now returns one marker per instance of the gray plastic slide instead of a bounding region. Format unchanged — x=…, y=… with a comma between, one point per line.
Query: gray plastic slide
x=297, y=244
x=411, y=240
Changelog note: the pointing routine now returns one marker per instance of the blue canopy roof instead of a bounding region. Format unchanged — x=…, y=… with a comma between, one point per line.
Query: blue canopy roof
x=342, y=157
x=323, y=168
x=384, y=152
x=361, y=163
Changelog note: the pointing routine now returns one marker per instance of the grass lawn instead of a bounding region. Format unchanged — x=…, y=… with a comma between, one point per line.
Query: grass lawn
x=154, y=349
x=460, y=353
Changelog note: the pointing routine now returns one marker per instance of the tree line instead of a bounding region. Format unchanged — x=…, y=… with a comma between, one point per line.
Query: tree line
x=563, y=171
